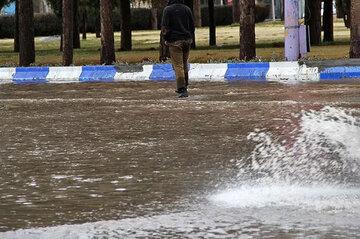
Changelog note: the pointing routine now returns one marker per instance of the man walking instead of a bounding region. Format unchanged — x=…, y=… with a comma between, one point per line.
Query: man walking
x=178, y=30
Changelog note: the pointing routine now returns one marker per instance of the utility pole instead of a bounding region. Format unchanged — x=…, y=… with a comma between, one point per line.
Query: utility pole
x=292, y=44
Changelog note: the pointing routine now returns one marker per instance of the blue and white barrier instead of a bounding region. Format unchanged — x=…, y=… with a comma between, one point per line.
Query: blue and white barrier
x=253, y=71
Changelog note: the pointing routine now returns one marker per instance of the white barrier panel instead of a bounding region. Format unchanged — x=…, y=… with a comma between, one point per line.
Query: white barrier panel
x=143, y=75
x=6, y=75
x=207, y=72
x=290, y=72
x=64, y=74
x=310, y=74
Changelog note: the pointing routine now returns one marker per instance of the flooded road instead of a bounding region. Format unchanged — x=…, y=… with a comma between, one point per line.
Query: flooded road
x=130, y=160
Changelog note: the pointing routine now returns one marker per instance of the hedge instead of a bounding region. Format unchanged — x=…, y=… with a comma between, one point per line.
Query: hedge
x=50, y=24
x=44, y=25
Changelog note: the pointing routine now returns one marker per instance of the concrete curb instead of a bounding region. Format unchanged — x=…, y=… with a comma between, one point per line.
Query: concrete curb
x=284, y=72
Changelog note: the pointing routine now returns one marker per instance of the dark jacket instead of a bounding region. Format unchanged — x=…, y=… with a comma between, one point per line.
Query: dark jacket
x=177, y=22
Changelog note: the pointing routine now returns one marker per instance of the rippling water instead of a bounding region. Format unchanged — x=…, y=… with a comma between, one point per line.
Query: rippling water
x=225, y=163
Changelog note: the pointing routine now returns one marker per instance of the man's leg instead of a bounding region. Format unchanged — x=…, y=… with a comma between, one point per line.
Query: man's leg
x=186, y=53
x=176, y=55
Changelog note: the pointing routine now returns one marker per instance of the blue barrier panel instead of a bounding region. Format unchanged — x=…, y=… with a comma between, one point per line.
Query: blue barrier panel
x=97, y=74
x=340, y=72
x=255, y=71
x=30, y=75
x=162, y=72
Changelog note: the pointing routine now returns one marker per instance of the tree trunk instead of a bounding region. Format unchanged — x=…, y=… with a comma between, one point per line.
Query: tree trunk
x=26, y=33
x=154, y=18
x=164, y=52
x=84, y=24
x=107, y=34
x=339, y=9
x=328, y=21
x=247, y=30
x=76, y=36
x=346, y=5
x=212, y=27
x=197, y=13
x=68, y=31
x=126, y=43
x=190, y=4
x=98, y=25
x=313, y=20
x=236, y=11
x=355, y=30
x=16, y=33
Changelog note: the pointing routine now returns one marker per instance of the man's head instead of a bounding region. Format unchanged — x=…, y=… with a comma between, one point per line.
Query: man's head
x=175, y=2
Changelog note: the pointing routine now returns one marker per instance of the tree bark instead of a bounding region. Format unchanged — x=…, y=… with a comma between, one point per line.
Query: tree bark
x=107, y=34
x=76, y=36
x=98, y=25
x=16, y=33
x=212, y=27
x=190, y=4
x=154, y=18
x=313, y=20
x=197, y=13
x=236, y=11
x=68, y=31
x=247, y=30
x=355, y=29
x=346, y=5
x=339, y=9
x=84, y=24
x=328, y=21
x=26, y=33
x=126, y=41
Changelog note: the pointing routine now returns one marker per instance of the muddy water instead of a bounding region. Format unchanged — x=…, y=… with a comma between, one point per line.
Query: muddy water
x=131, y=160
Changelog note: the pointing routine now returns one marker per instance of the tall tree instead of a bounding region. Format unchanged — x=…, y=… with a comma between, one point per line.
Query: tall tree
x=190, y=4
x=126, y=43
x=355, y=29
x=68, y=31
x=247, y=30
x=313, y=20
x=76, y=36
x=339, y=9
x=328, y=21
x=212, y=27
x=236, y=11
x=16, y=33
x=154, y=18
x=84, y=23
x=107, y=33
x=26, y=33
x=197, y=13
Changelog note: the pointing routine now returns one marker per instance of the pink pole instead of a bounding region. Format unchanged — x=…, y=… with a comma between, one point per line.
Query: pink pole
x=292, y=46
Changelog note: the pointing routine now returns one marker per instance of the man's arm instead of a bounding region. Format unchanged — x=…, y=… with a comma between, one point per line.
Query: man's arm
x=165, y=22
x=192, y=23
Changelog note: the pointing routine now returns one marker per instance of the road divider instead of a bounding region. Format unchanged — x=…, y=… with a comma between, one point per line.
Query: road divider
x=284, y=72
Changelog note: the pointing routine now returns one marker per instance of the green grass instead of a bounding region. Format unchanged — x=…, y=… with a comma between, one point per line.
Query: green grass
x=269, y=40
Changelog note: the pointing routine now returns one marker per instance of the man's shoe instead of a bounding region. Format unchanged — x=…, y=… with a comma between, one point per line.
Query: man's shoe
x=183, y=93
x=179, y=90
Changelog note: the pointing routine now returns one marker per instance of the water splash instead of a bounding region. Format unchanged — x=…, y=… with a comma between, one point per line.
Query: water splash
x=317, y=163
x=324, y=148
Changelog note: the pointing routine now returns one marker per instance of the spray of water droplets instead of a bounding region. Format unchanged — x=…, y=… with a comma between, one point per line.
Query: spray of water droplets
x=317, y=165
x=324, y=148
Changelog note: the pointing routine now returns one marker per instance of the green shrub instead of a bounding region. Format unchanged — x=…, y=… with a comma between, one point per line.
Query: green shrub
x=44, y=25
x=223, y=15
x=47, y=25
x=7, y=26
